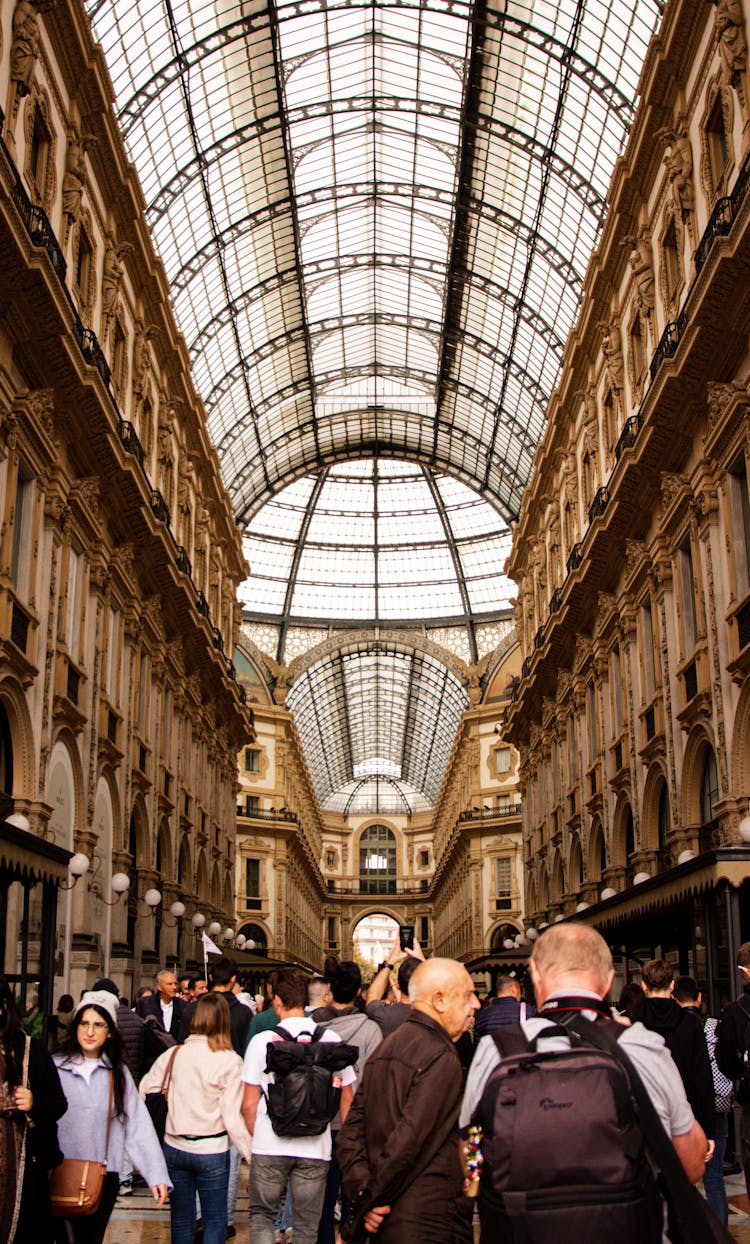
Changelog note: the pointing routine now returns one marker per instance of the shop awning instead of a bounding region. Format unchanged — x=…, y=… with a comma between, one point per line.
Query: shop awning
x=28, y=858
x=696, y=876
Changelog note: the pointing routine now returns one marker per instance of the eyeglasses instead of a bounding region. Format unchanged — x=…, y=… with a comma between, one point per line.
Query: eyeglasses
x=96, y=1025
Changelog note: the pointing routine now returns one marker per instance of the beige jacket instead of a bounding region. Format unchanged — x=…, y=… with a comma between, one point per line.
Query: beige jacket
x=204, y=1098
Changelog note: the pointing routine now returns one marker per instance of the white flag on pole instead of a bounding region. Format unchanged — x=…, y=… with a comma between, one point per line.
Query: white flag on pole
x=209, y=947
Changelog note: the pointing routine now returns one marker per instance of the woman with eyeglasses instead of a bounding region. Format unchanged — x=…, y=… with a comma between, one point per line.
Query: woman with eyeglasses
x=90, y=1064
x=31, y=1102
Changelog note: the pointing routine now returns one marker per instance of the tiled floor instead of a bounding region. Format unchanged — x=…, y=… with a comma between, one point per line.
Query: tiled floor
x=135, y=1222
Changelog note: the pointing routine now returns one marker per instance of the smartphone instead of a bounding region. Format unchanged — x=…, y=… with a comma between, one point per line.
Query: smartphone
x=406, y=936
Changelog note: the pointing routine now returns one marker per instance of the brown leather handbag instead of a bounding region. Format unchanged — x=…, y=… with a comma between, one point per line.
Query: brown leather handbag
x=76, y=1184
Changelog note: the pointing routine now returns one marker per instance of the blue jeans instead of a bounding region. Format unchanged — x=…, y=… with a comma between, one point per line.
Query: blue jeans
x=235, y=1162
x=327, y=1228
x=713, y=1179
x=208, y=1175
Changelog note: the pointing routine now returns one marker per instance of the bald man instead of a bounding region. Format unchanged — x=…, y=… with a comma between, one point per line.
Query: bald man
x=398, y=1148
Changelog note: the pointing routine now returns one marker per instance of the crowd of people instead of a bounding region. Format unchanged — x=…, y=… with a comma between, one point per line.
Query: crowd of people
x=397, y=1112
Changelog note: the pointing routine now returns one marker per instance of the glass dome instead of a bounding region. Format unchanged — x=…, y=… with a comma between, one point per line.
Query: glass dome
x=377, y=541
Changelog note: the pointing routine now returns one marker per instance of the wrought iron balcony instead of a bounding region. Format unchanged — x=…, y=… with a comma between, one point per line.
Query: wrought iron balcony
x=599, y=504
x=183, y=561
x=628, y=436
x=670, y=339
x=129, y=438
x=719, y=224
x=159, y=506
x=202, y=605
x=575, y=558
x=555, y=601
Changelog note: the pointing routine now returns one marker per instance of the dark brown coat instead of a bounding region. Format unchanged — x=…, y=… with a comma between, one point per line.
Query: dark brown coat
x=400, y=1140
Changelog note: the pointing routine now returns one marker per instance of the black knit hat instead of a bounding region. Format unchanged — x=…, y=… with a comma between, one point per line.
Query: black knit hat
x=108, y=985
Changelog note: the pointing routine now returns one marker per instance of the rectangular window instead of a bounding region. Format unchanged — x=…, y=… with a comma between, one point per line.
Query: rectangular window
x=252, y=760
x=503, y=867
x=424, y=859
x=252, y=805
x=424, y=930
x=739, y=510
x=572, y=751
x=252, y=878
x=649, y=654
x=330, y=859
x=331, y=932
x=687, y=597
x=112, y=674
x=591, y=721
x=616, y=676
x=502, y=760
x=503, y=803
x=73, y=614
x=21, y=548
x=143, y=691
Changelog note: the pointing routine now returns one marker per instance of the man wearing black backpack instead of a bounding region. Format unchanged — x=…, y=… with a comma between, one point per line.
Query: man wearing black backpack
x=563, y=1145
x=733, y=1052
x=295, y=1080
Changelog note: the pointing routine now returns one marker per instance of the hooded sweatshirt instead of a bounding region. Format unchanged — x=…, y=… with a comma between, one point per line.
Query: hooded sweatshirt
x=683, y=1035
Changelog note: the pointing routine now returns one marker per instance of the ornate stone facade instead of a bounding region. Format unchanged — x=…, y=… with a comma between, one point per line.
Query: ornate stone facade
x=120, y=715
x=632, y=714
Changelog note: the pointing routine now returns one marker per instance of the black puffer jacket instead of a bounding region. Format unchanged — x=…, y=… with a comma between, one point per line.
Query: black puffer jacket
x=683, y=1035
x=131, y=1026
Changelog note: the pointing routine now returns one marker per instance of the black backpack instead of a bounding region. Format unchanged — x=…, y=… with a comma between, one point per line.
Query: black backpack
x=564, y=1154
x=304, y=1098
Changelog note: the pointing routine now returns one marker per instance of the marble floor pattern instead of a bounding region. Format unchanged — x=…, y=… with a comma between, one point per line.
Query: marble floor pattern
x=135, y=1222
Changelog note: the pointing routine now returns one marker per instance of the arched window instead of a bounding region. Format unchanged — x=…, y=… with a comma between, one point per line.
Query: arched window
x=664, y=823
x=629, y=845
x=254, y=933
x=377, y=860
x=709, y=788
x=6, y=756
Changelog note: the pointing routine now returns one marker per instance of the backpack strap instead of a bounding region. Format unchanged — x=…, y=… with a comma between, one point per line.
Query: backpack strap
x=285, y=1034
x=696, y=1223
x=510, y=1040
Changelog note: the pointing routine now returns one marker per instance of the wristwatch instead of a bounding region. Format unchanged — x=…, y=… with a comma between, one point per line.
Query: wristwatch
x=385, y=964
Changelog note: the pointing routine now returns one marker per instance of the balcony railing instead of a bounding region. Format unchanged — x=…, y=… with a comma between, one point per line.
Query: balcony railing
x=490, y=814
x=575, y=558
x=628, y=436
x=719, y=224
x=670, y=339
x=42, y=234
x=555, y=601
x=599, y=504
x=378, y=885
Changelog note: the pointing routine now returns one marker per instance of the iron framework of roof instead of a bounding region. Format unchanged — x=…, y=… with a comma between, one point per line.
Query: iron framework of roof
x=376, y=218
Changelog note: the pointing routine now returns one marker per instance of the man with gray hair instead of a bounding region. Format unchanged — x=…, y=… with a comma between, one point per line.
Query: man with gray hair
x=165, y=1007
x=397, y=1149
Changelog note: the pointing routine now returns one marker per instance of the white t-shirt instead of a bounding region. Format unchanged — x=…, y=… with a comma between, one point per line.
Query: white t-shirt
x=265, y=1140
x=166, y=1010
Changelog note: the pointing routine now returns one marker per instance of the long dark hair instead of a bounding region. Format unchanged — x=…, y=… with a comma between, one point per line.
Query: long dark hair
x=112, y=1047
x=9, y=1027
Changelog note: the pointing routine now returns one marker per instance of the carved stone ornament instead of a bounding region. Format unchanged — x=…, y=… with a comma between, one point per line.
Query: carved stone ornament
x=123, y=559
x=583, y=648
x=42, y=406
x=671, y=485
x=718, y=398
x=564, y=683
x=26, y=37
x=152, y=611
x=88, y=491
x=635, y=554
x=607, y=604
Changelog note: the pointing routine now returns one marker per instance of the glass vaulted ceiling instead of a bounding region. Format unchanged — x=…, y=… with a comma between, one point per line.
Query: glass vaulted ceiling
x=375, y=217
